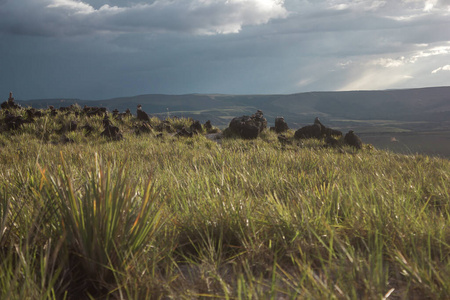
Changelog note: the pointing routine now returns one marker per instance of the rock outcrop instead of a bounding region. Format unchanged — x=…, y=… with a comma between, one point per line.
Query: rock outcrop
x=353, y=140
x=142, y=115
x=308, y=132
x=197, y=126
x=248, y=127
x=280, y=125
x=317, y=131
x=112, y=133
x=10, y=104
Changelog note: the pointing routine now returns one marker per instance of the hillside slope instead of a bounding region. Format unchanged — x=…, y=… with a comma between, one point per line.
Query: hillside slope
x=422, y=109
x=86, y=213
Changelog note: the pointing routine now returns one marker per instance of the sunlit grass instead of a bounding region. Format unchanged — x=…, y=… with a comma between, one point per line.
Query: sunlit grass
x=184, y=218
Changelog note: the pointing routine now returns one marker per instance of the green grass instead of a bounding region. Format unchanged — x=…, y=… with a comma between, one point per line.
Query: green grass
x=183, y=218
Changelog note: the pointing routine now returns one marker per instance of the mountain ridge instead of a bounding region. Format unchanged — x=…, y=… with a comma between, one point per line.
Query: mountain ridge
x=429, y=107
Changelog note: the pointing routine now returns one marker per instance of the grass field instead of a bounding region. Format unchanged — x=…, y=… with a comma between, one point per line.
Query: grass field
x=188, y=218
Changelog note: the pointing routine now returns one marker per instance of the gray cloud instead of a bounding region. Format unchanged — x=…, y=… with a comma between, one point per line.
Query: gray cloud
x=100, y=48
x=72, y=17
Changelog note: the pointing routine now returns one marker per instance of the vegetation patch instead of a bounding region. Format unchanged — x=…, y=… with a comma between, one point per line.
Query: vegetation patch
x=160, y=215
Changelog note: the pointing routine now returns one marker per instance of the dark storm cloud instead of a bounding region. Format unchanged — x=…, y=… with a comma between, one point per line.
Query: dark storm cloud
x=100, y=48
x=71, y=17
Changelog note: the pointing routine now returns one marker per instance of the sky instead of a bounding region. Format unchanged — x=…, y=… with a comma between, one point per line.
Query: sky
x=100, y=49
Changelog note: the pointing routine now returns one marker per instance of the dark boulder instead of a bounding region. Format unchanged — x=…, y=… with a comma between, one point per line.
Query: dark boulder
x=331, y=142
x=112, y=133
x=327, y=131
x=317, y=131
x=106, y=122
x=143, y=128
x=69, y=109
x=353, y=140
x=248, y=127
x=250, y=131
x=142, y=115
x=280, y=125
x=332, y=132
x=10, y=104
x=317, y=122
x=197, y=126
x=33, y=113
x=308, y=132
x=244, y=126
x=183, y=132
x=120, y=116
x=5, y=105
x=53, y=111
x=208, y=125
x=13, y=122
x=92, y=111
x=261, y=122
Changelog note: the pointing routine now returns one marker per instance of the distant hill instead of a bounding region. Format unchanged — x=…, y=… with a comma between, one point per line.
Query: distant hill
x=422, y=109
